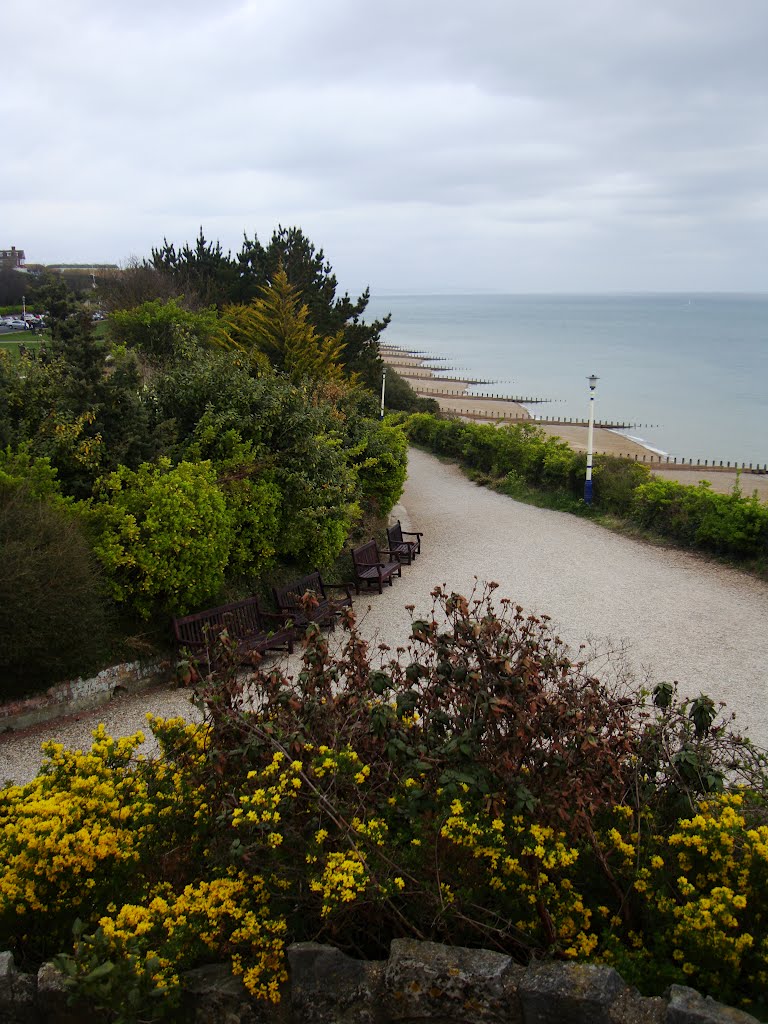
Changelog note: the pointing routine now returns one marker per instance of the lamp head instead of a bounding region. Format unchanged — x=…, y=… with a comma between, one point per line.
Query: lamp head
x=593, y=382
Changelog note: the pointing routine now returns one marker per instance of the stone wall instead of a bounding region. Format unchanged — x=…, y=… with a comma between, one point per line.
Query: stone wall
x=83, y=694
x=420, y=982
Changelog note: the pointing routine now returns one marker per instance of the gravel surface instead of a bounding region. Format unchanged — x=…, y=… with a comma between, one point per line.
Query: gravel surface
x=676, y=616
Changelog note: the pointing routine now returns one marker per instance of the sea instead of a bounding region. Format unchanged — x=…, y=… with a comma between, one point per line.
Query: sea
x=688, y=372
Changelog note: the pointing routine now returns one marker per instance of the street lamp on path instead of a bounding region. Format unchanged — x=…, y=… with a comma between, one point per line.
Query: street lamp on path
x=383, y=385
x=590, y=437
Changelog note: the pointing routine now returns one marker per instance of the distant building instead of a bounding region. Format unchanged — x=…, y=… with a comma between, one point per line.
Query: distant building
x=12, y=259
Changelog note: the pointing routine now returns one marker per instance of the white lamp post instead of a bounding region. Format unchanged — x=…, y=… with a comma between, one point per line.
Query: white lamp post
x=383, y=385
x=590, y=437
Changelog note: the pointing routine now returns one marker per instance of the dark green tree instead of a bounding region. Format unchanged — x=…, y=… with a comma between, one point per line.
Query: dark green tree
x=204, y=274
x=47, y=570
x=207, y=276
x=13, y=287
x=309, y=271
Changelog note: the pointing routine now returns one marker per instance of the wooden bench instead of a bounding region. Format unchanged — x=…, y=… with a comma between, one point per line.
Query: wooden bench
x=371, y=569
x=323, y=608
x=253, y=630
x=406, y=550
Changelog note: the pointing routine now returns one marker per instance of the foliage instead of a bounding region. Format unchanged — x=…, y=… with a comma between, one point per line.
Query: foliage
x=164, y=535
x=253, y=497
x=399, y=395
x=206, y=275
x=731, y=524
x=615, y=481
x=54, y=624
x=277, y=325
x=162, y=329
x=480, y=788
x=83, y=414
x=135, y=283
x=382, y=465
x=308, y=442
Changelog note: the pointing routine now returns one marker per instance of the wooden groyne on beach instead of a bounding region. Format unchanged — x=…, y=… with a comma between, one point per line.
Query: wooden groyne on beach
x=455, y=398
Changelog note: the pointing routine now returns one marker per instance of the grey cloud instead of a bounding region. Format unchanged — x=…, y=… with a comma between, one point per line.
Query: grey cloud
x=524, y=146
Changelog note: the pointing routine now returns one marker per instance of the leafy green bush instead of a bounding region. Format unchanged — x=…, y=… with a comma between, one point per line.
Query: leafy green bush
x=399, y=395
x=615, y=481
x=382, y=466
x=698, y=517
x=55, y=622
x=162, y=328
x=164, y=536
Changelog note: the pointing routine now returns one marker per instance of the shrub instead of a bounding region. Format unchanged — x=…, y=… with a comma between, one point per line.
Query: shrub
x=382, y=466
x=162, y=329
x=54, y=623
x=615, y=482
x=164, y=536
x=399, y=394
x=695, y=516
x=479, y=788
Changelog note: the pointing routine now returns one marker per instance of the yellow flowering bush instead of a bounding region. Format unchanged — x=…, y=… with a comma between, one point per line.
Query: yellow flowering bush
x=703, y=894
x=92, y=825
x=360, y=803
x=155, y=940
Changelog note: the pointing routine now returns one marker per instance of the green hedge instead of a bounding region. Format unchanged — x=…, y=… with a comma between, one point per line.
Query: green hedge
x=731, y=524
x=693, y=516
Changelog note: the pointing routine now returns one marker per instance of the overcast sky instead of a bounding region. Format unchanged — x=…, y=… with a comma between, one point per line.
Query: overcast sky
x=497, y=145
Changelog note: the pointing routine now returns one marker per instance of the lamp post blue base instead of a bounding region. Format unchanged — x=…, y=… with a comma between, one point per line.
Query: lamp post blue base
x=587, y=492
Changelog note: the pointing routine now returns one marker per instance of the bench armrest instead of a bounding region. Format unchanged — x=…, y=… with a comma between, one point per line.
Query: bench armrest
x=338, y=586
x=275, y=616
x=411, y=533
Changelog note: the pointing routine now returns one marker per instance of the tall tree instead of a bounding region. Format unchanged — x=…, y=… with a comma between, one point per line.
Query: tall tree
x=278, y=325
x=204, y=274
x=309, y=271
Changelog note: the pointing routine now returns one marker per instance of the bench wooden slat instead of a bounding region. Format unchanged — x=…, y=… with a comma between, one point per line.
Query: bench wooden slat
x=253, y=629
x=288, y=599
x=405, y=550
x=371, y=568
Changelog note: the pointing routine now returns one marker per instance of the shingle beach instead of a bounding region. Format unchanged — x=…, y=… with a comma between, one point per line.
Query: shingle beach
x=678, y=616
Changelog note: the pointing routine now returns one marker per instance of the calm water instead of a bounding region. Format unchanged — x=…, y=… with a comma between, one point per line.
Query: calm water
x=690, y=370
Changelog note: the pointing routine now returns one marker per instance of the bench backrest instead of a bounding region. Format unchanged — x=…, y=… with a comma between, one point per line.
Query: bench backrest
x=288, y=598
x=395, y=534
x=240, y=619
x=366, y=554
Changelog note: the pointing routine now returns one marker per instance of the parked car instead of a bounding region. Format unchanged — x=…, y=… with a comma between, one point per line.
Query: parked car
x=17, y=325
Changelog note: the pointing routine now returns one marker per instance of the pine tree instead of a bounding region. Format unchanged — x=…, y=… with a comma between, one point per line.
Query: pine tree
x=277, y=325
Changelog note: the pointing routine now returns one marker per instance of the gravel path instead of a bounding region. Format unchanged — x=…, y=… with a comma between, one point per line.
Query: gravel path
x=677, y=616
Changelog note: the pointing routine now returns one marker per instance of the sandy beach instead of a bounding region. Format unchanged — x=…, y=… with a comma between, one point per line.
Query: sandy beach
x=453, y=395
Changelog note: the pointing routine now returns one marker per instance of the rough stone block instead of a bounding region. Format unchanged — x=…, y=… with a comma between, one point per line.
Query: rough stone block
x=552, y=993
x=53, y=999
x=328, y=986
x=632, y=1008
x=687, y=1006
x=427, y=981
x=17, y=993
x=213, y=995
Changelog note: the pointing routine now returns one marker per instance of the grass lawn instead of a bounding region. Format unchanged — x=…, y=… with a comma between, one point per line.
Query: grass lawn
x=10, y=342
